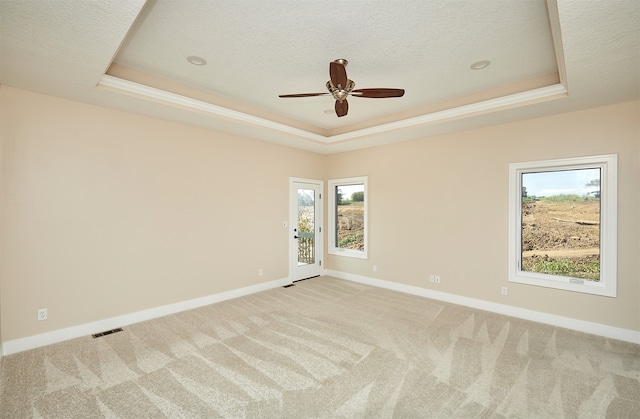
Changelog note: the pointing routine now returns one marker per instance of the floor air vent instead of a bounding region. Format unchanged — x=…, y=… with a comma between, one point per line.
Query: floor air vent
x=108, y=332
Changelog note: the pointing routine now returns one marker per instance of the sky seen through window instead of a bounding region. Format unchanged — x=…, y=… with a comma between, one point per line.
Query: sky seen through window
x=567, y=182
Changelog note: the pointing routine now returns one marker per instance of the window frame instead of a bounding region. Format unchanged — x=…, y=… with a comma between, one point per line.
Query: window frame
x=332, y=249
x=607, y=285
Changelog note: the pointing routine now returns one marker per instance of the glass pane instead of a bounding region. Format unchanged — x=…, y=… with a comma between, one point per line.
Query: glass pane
x=350, y=217
x=561, y=223
x=306, y=226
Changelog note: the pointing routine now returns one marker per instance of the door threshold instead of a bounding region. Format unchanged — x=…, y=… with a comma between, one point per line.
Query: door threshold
x=299, y=280
x=304, y=279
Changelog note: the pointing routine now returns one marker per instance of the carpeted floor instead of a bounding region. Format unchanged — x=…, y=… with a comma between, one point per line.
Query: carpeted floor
x=327, y=348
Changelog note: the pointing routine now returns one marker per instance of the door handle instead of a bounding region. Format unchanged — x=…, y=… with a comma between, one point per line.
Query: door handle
x=296, y=237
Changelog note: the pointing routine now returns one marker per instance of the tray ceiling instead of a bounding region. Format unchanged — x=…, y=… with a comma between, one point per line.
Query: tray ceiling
x=544, y=56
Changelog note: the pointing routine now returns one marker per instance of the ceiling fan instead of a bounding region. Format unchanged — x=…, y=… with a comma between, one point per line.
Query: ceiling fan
x=339, y=86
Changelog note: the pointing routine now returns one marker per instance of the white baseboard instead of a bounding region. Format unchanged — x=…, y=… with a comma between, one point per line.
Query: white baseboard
x=31, y=342
x=521, y=313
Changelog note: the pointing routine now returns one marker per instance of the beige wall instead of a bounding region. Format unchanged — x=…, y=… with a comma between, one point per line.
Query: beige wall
x=1, y=219
x=439, y=205
x=108, y=213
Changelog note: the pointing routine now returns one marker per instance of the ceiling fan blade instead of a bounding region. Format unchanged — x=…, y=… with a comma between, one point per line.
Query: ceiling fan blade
x=342, y=108
x=305, y=94
x=338, y=74
x=378, y=93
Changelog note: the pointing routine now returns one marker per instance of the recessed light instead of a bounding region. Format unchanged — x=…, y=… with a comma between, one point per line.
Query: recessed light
x=195, y=60
x=479, y=65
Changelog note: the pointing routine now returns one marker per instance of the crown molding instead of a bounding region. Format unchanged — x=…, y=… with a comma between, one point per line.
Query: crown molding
x=492, y=105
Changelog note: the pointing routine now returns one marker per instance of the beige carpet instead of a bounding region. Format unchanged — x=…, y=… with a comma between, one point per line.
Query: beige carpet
x=327, y=348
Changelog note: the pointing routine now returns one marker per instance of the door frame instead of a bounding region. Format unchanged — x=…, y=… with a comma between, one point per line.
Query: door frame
x=294, y=182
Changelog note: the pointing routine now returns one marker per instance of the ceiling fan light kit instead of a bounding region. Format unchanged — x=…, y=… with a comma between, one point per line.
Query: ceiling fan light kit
x=339, y=86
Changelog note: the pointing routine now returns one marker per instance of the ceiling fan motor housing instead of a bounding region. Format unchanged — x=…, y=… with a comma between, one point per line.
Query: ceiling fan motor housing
x=338, y=93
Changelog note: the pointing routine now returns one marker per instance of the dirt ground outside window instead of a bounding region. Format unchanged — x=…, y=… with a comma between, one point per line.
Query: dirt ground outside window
x=562, y=237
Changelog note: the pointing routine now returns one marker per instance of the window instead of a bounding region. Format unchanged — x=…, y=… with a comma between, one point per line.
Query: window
x=562, y=224
x=348, y=217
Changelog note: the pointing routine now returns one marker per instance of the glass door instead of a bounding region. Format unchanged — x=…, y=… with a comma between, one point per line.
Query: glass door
x=305, y=229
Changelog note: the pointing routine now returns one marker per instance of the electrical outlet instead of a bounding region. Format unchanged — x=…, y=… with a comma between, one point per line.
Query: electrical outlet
x=375, y=268
x=260, y=272
x=437, y=279
x=505, y=290
x=432, y=278
x=42, y=314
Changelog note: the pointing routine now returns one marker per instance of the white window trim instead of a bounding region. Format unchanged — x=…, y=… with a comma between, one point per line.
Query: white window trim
x=607, y=286
x=331, y=231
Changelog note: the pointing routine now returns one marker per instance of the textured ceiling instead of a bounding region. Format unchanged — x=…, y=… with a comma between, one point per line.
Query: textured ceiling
x=546, y=57
x=256, y=50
